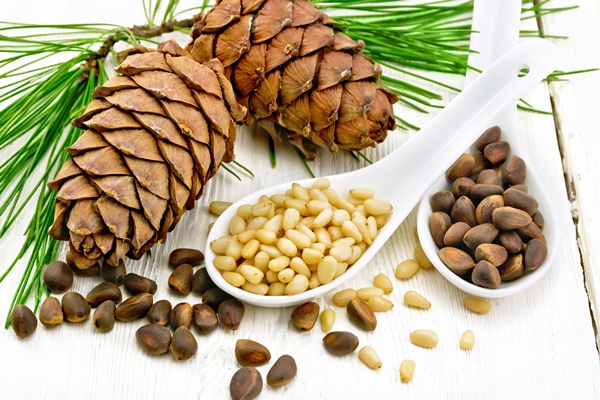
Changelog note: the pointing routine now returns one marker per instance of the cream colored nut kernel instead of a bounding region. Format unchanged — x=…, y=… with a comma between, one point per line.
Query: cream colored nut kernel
x=372, y=227
x=331, y=194
x=286, y=275
x=306, y=230
x=383, y=282
x=272, y=277
x=298, y=284
x=271, y=250
x=367, y=292
x=278, y=199
x=265, y=236
x=234, y=248
x=286, y=246
x=225, y=263
x=377, y=207
x=276, y=289
x=343, y=242
x=311, y=256
x=321, y=184
x=261, y=261
x=299, y=192
x=340, y=269
x=300, y=240
x=300, y=205
x=308, y=221
x=315, y=207
x=356, y=253
x=345, y=205
x=414, y=299
x=279, y=263
x=381, y=220
x=369, y=356
x=313, y=281
x=251, y=273
x=341, y=253
x=298, y=265
x=421, y=257
x=274, y=224
x=355, y=202
x=262, y=209
x=327, y=319
x=244, y=211
x=343, y=297
x=406, y=269
x=467, y=340
x=259, y=288
x=220, y=245
x=246, y=236
x=234, y=278
x=250, y=249
x=424, y=338
x=339, y=216
x=291, y=218
x=323, y=218
x=407, y=370
x=362, y=229
x=362, y=193
x=256, y=223
x=349, y=229
x=380, y=304
x=320, y=247
x=476, y=305
x=217, y=207
x=335, y=232
x=237, y=225
x=264, y=199
x=326, y=269
x=317, y=194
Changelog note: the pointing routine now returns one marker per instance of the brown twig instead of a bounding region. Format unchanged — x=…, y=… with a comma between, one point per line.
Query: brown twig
x=144, y=31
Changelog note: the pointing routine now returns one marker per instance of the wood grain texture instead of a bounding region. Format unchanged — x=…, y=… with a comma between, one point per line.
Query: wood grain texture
x=576, y=104
x=537, y=344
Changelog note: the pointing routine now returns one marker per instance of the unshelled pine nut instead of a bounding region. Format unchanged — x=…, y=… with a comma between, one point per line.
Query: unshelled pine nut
x=407, y=370
x=379, y=304
x=383, y=282
x=217, y=207
x=343, y=297
x=424, y=338
x=414, y=299
x=421, y=257
x=467, y=339
x=298, y=284
x=407, y=269
x=477, y=305
x=327, y=319
x=367, y=292
x=369, y=356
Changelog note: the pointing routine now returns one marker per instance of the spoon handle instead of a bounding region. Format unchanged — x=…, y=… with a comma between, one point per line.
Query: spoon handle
x=404, y=175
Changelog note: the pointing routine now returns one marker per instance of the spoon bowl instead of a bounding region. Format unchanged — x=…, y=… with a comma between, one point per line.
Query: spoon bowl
x=496, y=30
x=404, y=176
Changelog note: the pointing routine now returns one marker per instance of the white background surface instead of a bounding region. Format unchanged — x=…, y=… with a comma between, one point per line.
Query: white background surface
x=538, y=344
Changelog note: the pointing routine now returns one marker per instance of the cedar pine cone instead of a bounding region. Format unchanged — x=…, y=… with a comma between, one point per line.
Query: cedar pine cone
x=155, y=135
x=296, y=73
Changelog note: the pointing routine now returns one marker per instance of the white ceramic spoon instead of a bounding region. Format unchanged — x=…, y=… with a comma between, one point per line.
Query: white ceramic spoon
x=496, y=30
x=403, y=176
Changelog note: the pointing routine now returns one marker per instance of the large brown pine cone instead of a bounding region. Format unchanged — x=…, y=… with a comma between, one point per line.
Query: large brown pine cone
x=296, y=73
x=155, y=135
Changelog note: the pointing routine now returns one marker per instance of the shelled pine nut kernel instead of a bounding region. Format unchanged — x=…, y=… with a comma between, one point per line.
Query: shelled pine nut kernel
x=300, y=240
x=407, y=370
